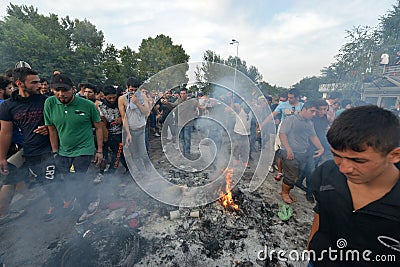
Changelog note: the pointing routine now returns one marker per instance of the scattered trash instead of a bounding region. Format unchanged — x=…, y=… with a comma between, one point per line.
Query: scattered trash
x=133, y=223
x=175, y=214
x=285, y=212
x=195, y=214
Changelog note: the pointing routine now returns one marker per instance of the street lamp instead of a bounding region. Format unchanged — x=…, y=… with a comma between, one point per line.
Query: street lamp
x=237, y=56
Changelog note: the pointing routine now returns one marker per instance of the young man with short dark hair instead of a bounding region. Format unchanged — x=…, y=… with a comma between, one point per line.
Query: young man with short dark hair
x=134, y=109
x=109, y=113
x=358, y=193
x=295, y=134
x=70, y=119
x=24, y=109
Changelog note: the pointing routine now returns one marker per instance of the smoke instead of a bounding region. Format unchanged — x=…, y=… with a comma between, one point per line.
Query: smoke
x=229, y=91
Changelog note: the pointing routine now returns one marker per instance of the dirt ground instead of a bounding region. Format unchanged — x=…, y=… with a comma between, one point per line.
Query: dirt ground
x=133, y=229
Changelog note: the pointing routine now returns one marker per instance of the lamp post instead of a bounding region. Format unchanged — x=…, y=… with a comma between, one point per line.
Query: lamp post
x=237, y=56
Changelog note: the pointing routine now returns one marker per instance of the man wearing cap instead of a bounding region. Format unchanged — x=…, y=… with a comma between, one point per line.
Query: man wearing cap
x=70, y=119
x=24, y=109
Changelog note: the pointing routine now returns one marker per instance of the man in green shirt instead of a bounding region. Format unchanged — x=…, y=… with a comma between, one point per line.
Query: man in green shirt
x=70, y=120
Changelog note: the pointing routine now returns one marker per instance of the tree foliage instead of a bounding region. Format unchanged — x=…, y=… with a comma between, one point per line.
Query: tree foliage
x=359, y=57
x=76, y=48
x=208, y=71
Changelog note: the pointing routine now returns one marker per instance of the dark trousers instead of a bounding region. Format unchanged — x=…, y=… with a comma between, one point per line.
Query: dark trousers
x=114, y=143
x=76, y=184
x=185, y=139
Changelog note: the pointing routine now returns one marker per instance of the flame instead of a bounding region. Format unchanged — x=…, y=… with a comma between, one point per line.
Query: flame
x=226, y=199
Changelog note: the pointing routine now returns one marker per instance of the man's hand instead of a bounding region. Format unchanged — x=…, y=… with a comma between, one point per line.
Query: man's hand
x=128, y=140
x=318, y=153
x=118, y=121
x=134, y=99
x=43, y=130
x=98, y=158
x=290, y=154
x=3, y=167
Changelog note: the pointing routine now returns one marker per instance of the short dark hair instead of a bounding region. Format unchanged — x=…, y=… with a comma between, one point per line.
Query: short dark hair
x=310, y=104
x=93, y=87
x=321, y=103
x=43, y=80
x=133, y=81
x=183, y=89
x=21, y=73
x=109, y=90
x=334, y=95
x=362, y=127
x=4, y=82
x=9, y=72
x=294, y=91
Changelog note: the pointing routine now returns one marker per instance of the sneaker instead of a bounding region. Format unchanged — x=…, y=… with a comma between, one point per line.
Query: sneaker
x=93, y=206
x=157, y=135
x=12, y=215
x=83, y=219
x=50, y=215
x=271, y=169
x=98, y=179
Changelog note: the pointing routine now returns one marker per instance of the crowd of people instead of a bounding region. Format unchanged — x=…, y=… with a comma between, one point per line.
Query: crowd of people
x=347, y=155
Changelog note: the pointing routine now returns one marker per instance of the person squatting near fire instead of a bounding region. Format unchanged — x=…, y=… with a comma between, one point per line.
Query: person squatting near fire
x=295, y=134
x=358, y=192
x=134, y=109
x=70, y=119
x=109, y=113
x=23, y=110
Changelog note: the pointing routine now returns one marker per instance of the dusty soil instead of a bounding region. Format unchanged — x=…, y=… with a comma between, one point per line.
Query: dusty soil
x=133, y=229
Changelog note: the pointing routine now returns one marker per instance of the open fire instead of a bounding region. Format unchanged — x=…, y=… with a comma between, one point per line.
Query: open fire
x=226, y=198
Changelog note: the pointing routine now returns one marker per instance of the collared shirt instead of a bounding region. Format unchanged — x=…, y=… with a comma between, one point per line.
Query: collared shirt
x=74, y=125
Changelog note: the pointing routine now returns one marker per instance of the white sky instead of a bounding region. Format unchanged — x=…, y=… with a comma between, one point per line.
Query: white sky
x=286, y=40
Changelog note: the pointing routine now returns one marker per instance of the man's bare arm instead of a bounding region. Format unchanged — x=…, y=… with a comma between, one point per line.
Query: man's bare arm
x=6, y=133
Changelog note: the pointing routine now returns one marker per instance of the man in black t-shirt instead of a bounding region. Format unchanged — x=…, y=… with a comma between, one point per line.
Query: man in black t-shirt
x=24, y=110
x=357, y=216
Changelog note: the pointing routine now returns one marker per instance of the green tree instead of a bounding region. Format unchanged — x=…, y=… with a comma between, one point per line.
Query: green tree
x=111, y=66
x=159, y=53
x=309, y=87
x=129, y=64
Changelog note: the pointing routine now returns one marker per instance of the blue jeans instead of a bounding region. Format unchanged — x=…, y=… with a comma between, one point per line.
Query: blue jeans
x=306, y=173
x=185, y=139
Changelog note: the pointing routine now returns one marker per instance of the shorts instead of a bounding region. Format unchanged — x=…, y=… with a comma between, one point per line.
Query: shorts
x=34, y=168
x=293, y=168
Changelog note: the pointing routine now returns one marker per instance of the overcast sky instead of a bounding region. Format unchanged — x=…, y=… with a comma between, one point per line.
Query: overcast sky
x=286, y=40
